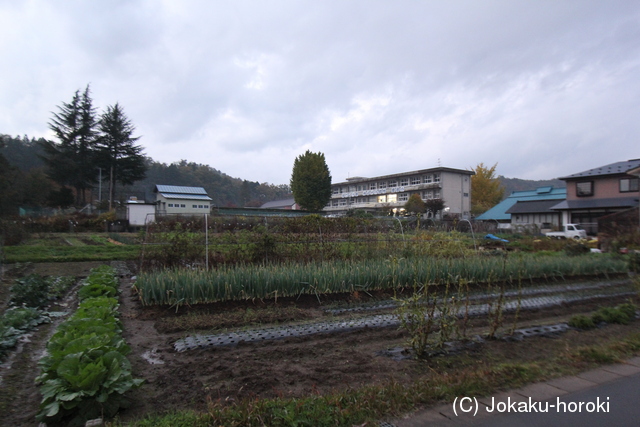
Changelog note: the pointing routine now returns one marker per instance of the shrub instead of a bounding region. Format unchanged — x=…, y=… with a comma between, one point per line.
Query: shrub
x=621, y=314
x=12, y=232
x=628, y=310
x=581, y=321
x=634, y=262
x=574, y=248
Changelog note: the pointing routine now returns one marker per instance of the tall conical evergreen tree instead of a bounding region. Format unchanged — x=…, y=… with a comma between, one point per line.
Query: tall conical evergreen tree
x=70, y=162
x=117, y=152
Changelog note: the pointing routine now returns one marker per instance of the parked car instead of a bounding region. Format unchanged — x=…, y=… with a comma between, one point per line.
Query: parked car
x=569, y=231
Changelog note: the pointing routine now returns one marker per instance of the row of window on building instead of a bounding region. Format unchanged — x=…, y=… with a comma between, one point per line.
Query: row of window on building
x=381, y=185
x=385, y=198
x=182, y=205
x=627, y=185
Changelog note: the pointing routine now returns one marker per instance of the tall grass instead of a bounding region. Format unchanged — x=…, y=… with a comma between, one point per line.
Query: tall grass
x=184, y=286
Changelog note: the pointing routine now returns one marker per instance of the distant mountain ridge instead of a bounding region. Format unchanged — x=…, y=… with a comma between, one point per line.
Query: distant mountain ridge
x=25, y=154
x=516, y=184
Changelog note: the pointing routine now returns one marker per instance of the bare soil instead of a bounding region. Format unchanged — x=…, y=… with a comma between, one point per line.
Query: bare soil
x=290, y=367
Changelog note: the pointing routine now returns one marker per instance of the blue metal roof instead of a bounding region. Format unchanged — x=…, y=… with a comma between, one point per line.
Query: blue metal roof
x=499, y=211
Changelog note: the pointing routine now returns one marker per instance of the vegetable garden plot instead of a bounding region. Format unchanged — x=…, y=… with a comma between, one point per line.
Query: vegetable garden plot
x=558, y=297
x=85, y=373
x=187, y=286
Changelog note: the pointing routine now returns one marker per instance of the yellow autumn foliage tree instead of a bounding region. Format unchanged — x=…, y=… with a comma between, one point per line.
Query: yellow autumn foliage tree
x=486, y=189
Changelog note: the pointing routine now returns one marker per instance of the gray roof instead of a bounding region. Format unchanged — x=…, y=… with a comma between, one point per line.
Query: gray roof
x=278, y=204
x=184, y=193
x=616, y=202
x=619, y=168
x=179, y=189
x=537, y=206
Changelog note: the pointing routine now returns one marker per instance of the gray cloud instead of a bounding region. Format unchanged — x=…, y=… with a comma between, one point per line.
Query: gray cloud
x=542, y=88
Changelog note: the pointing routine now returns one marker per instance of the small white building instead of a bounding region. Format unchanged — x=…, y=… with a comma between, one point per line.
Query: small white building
x=140, y=213
x=178, y=200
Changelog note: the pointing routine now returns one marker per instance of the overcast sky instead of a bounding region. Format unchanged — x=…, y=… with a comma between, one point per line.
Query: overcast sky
x=543, y=88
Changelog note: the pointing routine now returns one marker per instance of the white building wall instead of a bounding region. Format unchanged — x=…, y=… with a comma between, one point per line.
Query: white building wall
x=140, y=214
x=182, y=206
x=456, y=193
x=393, y=191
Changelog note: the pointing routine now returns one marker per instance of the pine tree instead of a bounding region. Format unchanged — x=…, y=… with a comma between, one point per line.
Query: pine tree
x=9, y=197
x=70, y=162
x=116, y=150
x=311, y=181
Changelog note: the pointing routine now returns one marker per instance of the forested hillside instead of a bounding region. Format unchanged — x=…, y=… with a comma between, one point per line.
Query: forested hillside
x=515, y=184
x=25, y=182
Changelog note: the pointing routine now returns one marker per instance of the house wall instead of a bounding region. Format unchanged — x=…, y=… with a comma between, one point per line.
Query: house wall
x=182, y=206
x=603, y=187
x=540, y=220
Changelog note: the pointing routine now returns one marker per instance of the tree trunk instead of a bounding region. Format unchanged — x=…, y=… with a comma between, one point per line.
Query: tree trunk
x=111, y=186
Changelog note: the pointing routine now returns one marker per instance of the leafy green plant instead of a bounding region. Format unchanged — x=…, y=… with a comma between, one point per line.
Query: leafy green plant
x=621, y=314
x=15, y=322
x=30, y=291
x=58, y=286
x=85, y=373
x=36, y=291
x=20, y=318
x=95, y=290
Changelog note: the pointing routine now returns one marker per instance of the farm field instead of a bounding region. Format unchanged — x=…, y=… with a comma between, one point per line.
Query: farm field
x=73, y=247
x=230, y=383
